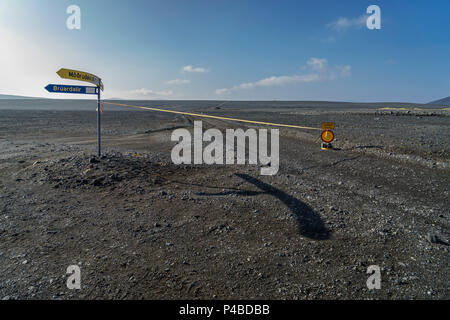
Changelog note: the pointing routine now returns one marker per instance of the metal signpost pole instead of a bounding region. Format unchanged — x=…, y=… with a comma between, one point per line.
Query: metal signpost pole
x=86, y=77
x=98, y=124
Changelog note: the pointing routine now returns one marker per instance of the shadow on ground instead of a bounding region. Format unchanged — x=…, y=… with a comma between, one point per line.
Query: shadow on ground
x=309, y=222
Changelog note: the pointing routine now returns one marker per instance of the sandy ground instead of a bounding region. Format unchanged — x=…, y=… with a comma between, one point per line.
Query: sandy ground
x=141, y=227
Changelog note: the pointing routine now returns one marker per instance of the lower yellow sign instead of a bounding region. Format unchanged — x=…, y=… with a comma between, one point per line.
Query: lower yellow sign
x=327, y=136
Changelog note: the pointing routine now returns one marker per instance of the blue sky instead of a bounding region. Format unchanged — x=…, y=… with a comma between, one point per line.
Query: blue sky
x=240, y=50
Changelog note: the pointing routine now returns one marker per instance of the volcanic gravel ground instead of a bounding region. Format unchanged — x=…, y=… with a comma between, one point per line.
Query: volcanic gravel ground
x=141, y=227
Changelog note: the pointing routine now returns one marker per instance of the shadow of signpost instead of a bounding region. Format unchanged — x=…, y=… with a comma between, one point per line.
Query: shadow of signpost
x=309, y=222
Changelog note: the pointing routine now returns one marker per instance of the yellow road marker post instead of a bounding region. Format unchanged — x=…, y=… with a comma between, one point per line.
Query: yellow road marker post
x=327, y=135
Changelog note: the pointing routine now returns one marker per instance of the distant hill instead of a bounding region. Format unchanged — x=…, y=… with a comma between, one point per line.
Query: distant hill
x=445, y=101
x=7, y=96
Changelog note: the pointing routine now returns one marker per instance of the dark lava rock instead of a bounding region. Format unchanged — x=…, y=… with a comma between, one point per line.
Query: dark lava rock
x=432, y=238
x=94, y=160
x=435, y=239
x=97, y=182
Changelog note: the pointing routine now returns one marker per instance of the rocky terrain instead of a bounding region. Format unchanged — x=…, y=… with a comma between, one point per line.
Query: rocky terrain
x=140, y=227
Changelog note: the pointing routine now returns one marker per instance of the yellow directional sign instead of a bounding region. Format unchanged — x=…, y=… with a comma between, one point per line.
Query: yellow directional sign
x=80, y=76
x=327, y=125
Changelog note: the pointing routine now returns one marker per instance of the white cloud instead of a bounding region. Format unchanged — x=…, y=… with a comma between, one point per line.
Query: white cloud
x=190, y=68
x=270, y=82
x=344, y=23
x=317, y=70
x=344, y=71
x=148, y=92
x=223, y=91
x=178, y=81
x=317, y=64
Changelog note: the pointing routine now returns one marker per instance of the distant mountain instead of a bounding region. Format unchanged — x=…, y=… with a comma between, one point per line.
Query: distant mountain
x=7, y=96
x=445, y=101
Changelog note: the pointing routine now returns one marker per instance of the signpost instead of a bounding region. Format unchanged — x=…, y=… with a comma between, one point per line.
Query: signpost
x=81, y=76
x=99, y=129
x=60, y=88
x=327, y=135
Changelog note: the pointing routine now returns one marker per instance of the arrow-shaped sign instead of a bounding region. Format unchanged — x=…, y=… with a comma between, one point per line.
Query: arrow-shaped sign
x=60, y=88
x=80, y=76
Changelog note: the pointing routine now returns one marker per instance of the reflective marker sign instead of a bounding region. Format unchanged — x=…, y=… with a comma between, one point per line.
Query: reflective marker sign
x=327, y=136
x=59, y=88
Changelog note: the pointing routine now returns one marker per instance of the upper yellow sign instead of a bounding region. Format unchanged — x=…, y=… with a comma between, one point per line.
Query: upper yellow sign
x=327, y=125
x=80, y=76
